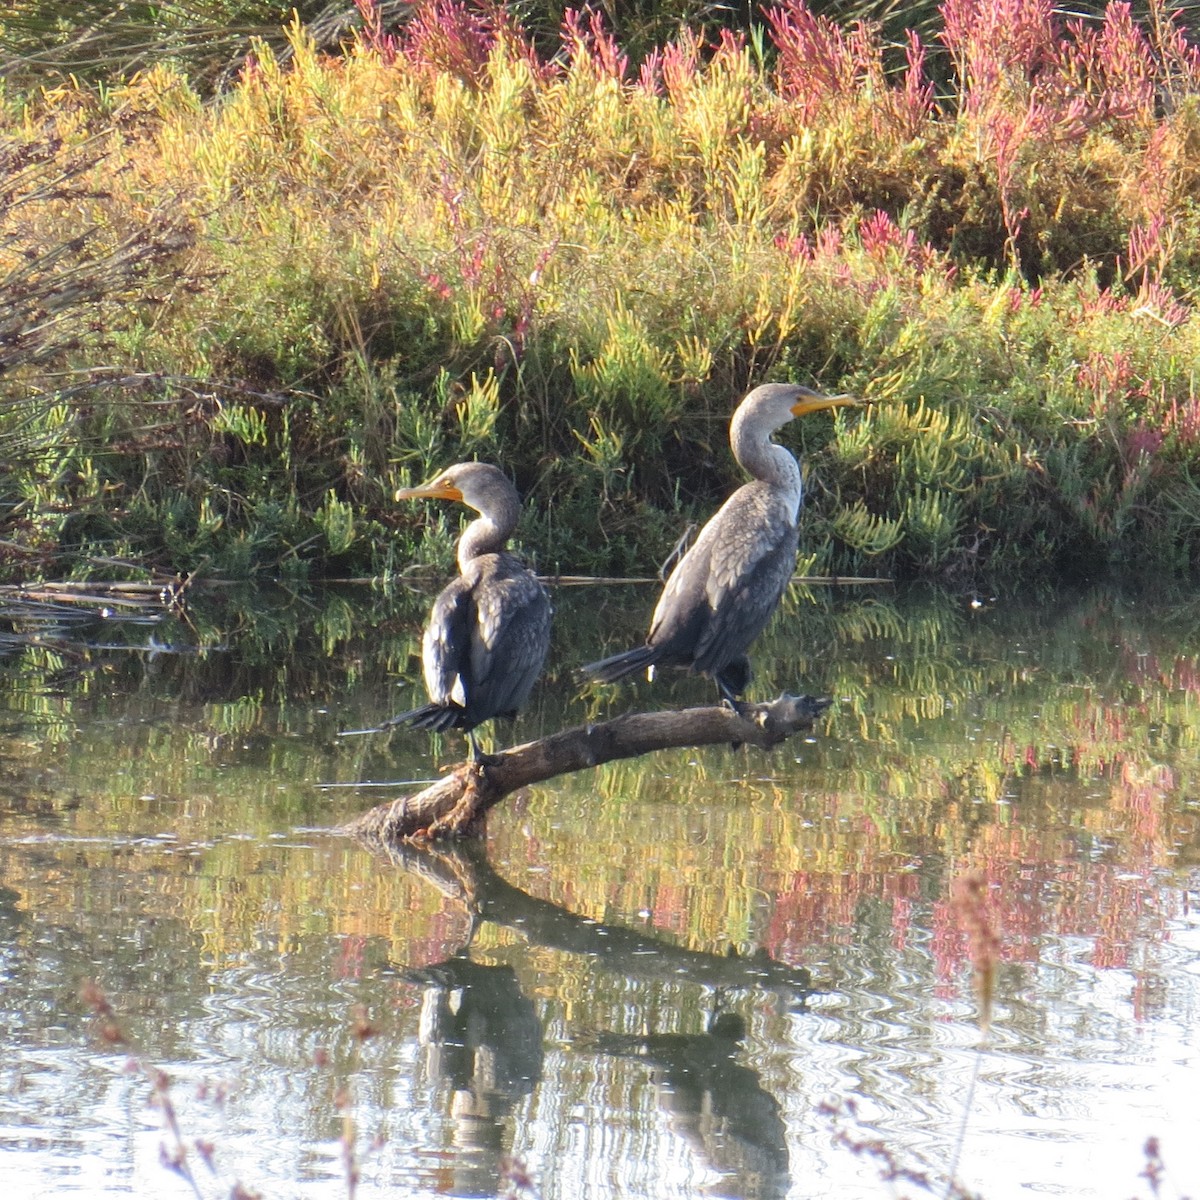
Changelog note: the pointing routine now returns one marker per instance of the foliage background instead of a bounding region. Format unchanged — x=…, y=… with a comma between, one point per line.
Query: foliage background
x=248, y=295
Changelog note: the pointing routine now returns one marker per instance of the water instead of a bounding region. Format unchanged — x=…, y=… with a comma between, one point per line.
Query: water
x=703, y=973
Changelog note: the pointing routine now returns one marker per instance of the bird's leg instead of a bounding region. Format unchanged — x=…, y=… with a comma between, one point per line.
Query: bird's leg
x=478, y=758
x=733, y=679
x=718, y=996
x=475, y=926
x=729, y=697
x=476, y=920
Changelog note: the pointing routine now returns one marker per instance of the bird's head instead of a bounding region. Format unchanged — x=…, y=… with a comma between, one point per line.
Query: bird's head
x=772, y=405
x=477, y=485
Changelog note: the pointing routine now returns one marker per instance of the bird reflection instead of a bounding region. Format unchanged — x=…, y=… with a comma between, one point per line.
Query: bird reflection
x=714, y=1102
x=483, y=1037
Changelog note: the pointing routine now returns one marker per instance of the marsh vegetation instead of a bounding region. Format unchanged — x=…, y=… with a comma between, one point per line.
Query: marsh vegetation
x=235, y=319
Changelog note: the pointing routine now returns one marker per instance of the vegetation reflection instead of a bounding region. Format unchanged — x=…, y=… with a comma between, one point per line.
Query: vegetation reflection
x=163, y=833
x=1046, y=752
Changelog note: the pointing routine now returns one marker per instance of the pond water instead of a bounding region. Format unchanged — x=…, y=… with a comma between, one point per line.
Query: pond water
x=702, y=973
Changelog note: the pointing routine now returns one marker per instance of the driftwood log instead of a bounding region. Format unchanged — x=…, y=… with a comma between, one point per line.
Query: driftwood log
x=456, y=805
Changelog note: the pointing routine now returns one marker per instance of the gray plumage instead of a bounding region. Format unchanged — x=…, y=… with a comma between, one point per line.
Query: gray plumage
x=489, y=629
x=722, y=593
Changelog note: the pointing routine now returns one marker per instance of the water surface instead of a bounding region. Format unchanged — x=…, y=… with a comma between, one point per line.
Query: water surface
x=704, y=973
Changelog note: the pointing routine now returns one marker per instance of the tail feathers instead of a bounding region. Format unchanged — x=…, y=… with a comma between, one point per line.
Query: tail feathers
x=628, y=662
x=438, y=717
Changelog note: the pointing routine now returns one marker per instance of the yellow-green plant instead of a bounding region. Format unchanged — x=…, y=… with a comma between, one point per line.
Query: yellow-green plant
x=440, y=242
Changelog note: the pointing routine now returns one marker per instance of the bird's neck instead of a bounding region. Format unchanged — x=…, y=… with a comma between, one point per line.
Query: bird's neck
x=487, y=534
x=765, y=459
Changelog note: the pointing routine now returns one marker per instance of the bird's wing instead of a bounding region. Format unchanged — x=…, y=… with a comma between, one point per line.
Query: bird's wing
x=682, y=611
x=724, y=590
x=446, y=646
x=751, y=557
x=510, y=638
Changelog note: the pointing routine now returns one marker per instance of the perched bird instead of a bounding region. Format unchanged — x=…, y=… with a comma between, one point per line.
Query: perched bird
x=489, y=630
x=723, y=591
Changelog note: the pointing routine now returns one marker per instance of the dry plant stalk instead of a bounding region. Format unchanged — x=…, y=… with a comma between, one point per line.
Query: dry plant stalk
x=970, y=903
x=173, y=1154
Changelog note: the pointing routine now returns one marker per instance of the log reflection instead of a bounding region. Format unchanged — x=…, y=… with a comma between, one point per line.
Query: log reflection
x=461, y=871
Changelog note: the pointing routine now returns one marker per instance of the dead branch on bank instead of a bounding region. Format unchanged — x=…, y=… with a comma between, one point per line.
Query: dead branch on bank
x=456, y=805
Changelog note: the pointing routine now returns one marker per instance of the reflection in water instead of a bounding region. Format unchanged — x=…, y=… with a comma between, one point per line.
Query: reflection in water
x=483, y=1037
x=462, y=871
x=158, y=833
x=718, y=1105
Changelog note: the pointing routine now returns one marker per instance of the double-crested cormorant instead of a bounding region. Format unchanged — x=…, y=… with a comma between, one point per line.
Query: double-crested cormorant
x=489, y=630
x=723, y=591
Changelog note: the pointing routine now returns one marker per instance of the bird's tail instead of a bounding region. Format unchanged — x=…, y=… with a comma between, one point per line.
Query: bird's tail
x=438, y=717
x=628, y=662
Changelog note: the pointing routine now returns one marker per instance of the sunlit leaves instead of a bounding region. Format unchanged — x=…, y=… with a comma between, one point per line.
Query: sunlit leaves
x=443, y=242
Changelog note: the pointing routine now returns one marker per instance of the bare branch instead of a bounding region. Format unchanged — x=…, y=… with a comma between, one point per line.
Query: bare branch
x=456, y=805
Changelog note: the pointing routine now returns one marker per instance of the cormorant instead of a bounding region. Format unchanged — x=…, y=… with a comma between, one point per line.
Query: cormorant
x=723, y=591
x=489, y=629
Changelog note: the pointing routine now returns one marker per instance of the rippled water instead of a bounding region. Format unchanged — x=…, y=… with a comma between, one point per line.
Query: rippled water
x=704, y=973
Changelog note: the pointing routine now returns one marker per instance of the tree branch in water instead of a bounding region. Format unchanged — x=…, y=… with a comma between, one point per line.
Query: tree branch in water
x=456, y=805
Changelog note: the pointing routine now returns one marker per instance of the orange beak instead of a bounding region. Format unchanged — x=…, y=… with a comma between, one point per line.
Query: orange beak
x=812, y=404
x=436, y=489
